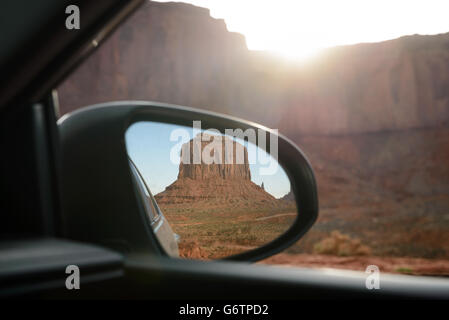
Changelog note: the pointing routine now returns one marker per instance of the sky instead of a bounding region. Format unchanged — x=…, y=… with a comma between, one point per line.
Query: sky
x=299, y=29
x=149, y=146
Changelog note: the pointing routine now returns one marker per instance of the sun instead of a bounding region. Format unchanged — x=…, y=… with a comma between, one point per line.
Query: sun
x=300, y=29
x=288, y=46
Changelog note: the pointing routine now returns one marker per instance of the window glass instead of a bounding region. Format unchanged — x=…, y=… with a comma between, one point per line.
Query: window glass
x=372, y=118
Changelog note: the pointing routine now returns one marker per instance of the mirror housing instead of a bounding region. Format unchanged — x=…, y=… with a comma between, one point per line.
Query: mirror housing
x=98, y=193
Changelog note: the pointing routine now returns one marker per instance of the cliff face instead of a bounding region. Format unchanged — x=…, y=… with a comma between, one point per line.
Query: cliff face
x=177, y=53
x=393, y=85
x=229, y=160
x=214, y=184
x=170, y=52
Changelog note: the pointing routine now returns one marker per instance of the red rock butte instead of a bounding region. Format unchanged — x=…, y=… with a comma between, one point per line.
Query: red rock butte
x=230, y=159
x=215, y=184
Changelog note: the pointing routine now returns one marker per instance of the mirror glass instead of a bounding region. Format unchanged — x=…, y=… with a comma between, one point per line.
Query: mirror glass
x=210, y=195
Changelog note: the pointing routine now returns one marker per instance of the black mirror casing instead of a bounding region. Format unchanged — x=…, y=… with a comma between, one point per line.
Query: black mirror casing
x=99, y=199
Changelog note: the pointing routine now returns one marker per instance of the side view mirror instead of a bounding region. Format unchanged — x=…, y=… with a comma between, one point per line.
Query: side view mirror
x=145, y=177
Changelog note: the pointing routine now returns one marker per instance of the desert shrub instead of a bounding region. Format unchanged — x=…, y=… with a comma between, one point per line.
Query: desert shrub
x=192, y=250
x=404, y=270
x=341, y=245
x=249, y=239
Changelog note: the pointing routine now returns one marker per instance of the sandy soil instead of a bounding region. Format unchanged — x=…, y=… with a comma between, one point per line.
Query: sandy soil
x=277, y=215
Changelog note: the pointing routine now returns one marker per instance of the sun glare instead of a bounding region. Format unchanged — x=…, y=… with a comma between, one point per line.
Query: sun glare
x=299, y=29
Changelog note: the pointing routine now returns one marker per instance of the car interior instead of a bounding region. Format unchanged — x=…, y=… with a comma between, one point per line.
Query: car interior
x=74, y=194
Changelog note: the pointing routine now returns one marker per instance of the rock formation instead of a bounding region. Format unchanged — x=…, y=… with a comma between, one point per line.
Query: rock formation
x=177, y=53
x=214, y=184
x=289, y=197
x=228, y=163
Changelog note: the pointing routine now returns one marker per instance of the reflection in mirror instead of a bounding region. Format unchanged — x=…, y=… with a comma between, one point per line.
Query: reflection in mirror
x=220, y=194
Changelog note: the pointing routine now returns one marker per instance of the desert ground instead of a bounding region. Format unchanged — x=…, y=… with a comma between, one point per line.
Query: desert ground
x=214, y=234
x=389, y=243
